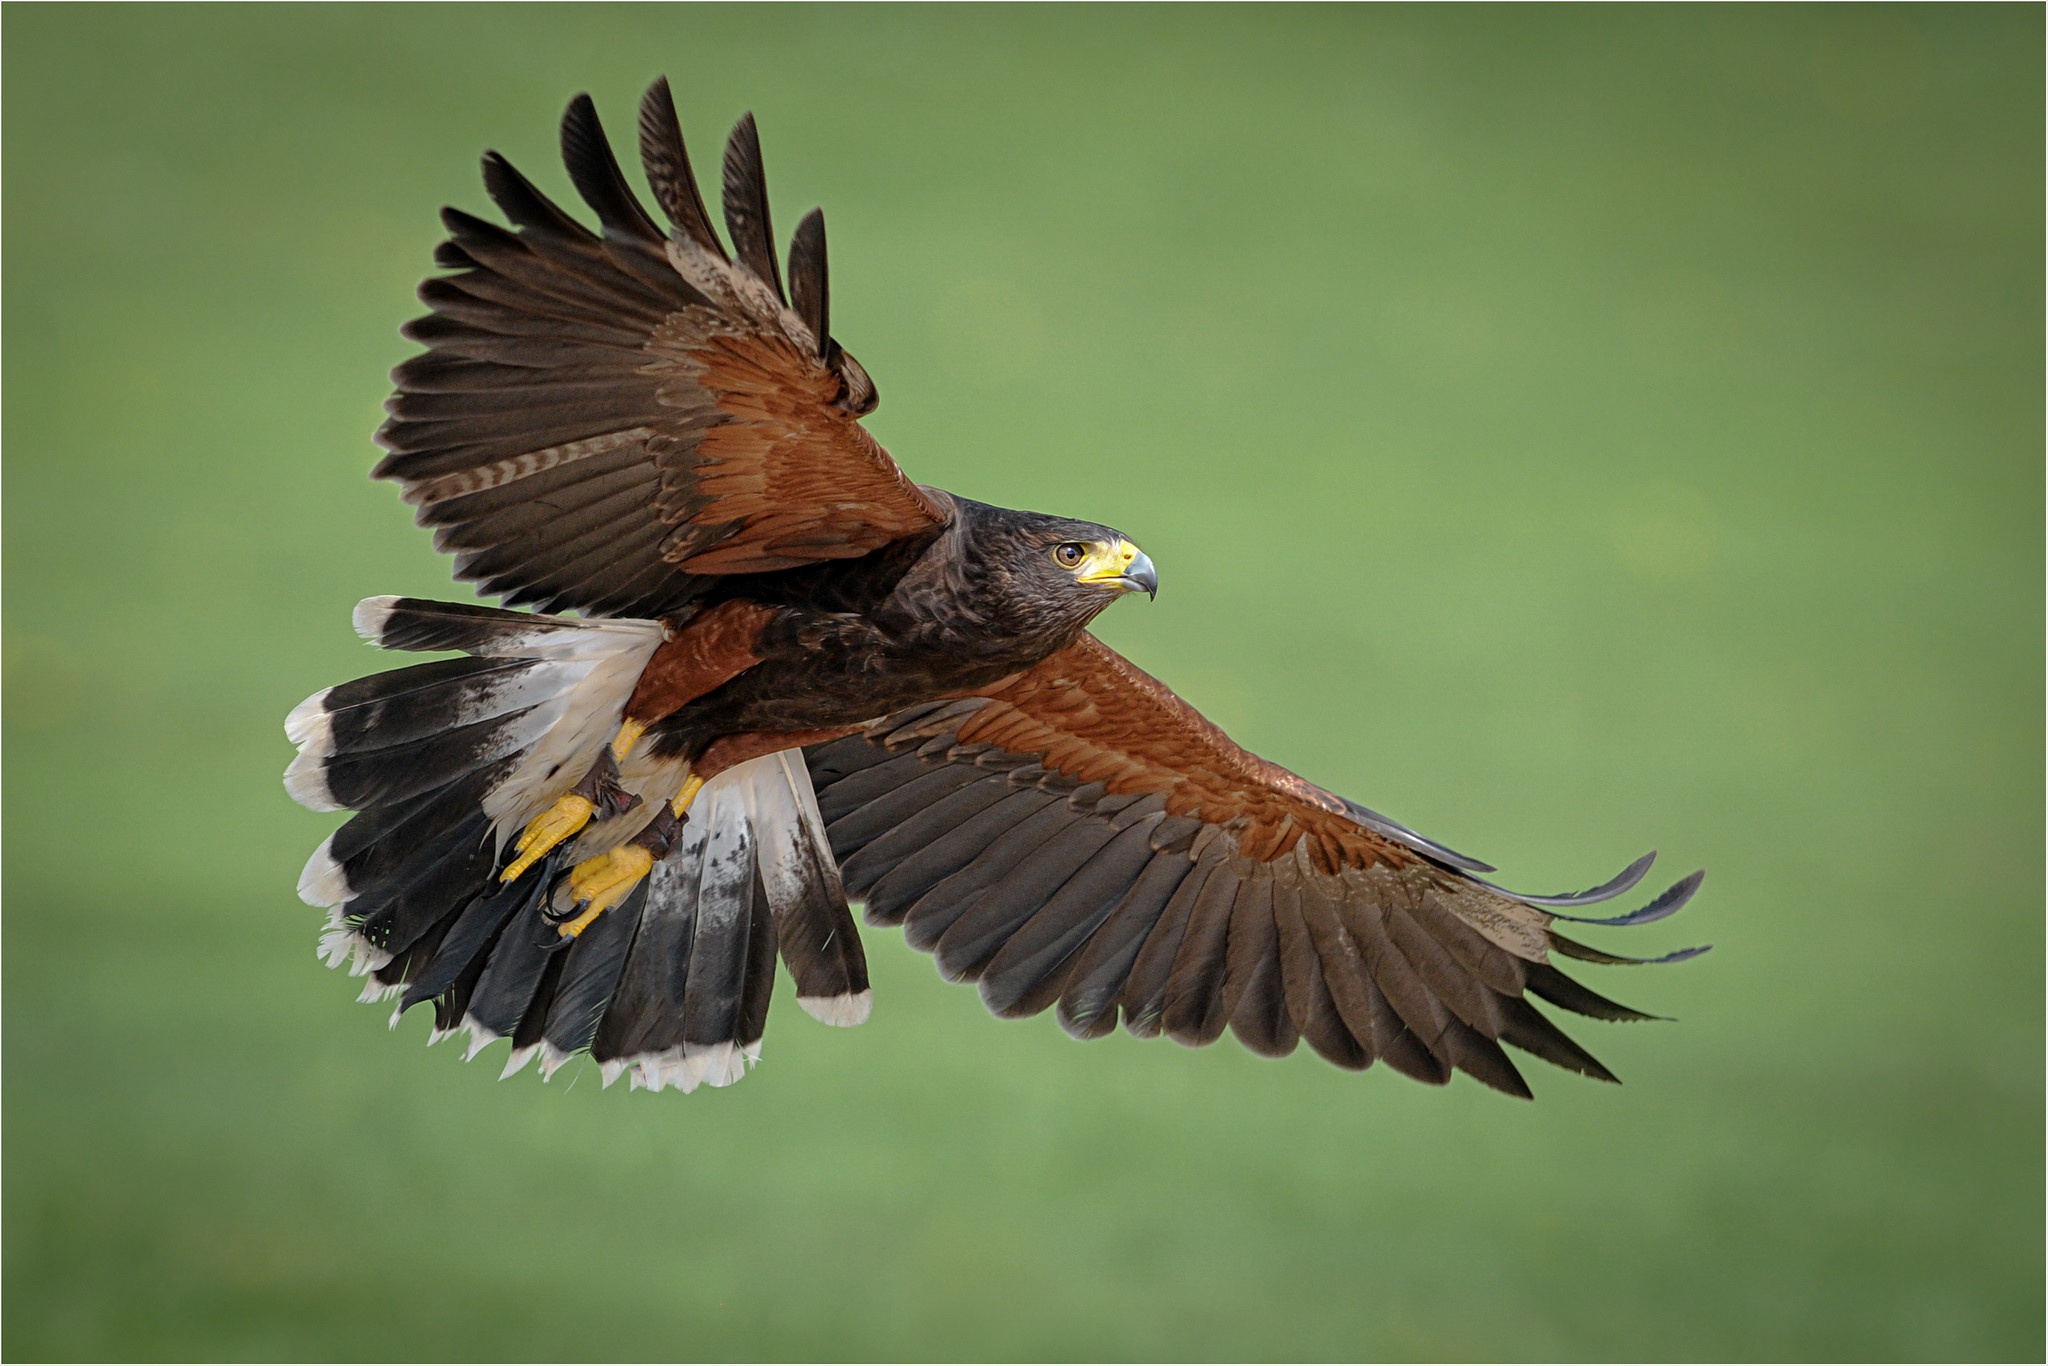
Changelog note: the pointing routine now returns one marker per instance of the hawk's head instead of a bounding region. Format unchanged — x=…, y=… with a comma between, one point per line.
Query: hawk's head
x=1043, y=578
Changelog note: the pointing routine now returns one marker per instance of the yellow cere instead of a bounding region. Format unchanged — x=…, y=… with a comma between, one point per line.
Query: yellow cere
x=1107, y=563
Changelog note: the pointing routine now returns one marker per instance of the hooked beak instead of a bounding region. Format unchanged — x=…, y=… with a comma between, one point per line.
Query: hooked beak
x=1125, y=568
x=1140, y=574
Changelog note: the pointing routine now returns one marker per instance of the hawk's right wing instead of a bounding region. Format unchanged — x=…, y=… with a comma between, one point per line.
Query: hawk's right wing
x=1081, y=835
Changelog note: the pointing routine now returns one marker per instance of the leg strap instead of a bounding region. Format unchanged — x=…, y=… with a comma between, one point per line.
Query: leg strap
x=601, y=788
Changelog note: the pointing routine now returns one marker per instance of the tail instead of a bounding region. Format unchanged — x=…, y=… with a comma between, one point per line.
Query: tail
x=445, y=762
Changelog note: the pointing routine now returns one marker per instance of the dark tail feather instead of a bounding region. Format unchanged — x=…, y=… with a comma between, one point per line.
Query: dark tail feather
x=446, y=761
x=821, y=946
x=532, y=1032
x=475, y=930
x=442, y=878
x=510, y=981
x=590, y=980
x=452, y=1005
x=758, y=985
x=692, y=1000
x=672, y=986
x=718, y=954
x=645, y=1021
x=801, y=886
x=443, y=762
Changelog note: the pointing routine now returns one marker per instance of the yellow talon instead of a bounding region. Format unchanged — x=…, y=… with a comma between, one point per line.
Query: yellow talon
x=597, y=884
x=568, y=815
x=629, y=735
x=692, y=785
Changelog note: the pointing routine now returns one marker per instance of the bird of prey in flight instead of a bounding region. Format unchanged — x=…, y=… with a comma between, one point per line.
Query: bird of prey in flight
x=796, y=680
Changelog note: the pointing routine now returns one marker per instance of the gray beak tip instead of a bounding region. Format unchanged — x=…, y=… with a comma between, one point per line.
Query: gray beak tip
x=1141, y=574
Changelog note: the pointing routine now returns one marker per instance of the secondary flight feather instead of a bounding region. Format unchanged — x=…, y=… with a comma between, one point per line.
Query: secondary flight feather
x=799, y=681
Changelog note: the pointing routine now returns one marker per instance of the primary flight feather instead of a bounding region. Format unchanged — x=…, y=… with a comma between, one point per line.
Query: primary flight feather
x=799, y=680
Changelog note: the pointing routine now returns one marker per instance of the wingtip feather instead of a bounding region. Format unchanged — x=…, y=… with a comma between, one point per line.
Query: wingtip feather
x=307, y=723
x=305, y=782
x=841, y=1012
x=1666, y=904
x=371, y=614
x=324, y=882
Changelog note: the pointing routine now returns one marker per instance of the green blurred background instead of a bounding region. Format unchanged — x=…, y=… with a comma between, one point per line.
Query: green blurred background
x=1573, y=431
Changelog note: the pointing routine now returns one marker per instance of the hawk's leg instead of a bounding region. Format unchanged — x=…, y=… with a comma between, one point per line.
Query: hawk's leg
x=597, y=797
x=597, y=884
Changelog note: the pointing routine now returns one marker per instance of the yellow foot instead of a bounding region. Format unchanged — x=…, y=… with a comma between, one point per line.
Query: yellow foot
x=629, y=735
x=598, y=884
x=568, y=815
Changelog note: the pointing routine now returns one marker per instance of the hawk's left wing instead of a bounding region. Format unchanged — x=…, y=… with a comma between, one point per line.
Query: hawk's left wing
x=604, y=420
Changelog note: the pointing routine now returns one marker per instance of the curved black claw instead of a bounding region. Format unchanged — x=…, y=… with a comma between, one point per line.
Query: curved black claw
x=549, y=937
x=549, y=934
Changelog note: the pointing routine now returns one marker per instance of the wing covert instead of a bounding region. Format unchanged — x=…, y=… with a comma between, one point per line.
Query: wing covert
x=601, y=420
x=1080, y=836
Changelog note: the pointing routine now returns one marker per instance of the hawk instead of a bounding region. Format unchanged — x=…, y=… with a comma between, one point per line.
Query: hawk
x=796, y=680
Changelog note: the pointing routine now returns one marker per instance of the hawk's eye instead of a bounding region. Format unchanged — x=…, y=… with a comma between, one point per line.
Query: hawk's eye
x=1070, y=554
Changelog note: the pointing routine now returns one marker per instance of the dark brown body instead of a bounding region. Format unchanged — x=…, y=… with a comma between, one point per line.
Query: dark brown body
x=816, y=651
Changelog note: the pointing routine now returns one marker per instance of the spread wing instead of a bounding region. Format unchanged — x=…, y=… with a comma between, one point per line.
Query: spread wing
x=1080, y=835
x=603, y=419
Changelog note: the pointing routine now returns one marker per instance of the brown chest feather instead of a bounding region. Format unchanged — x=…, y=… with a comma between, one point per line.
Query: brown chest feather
x=711, y=648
